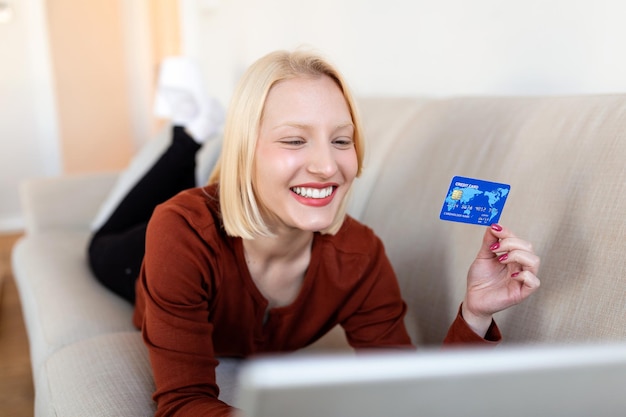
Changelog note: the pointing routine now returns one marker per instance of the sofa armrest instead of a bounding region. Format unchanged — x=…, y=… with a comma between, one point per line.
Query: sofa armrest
x=70, y=201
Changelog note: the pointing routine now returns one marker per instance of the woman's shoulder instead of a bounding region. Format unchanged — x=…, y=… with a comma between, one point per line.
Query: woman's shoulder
x=198, y=207
x=193, y=199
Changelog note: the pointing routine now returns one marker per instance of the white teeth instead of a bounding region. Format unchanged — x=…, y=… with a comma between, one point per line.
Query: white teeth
x=313, y=192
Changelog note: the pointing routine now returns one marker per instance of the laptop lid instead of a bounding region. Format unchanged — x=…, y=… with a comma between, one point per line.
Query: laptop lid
x=550, y=381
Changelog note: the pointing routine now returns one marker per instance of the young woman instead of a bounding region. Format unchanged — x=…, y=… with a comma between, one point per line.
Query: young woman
x=264, y=258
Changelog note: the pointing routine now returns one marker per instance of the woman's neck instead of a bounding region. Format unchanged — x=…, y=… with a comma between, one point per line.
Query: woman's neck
x=282, y=247
x=278, y=264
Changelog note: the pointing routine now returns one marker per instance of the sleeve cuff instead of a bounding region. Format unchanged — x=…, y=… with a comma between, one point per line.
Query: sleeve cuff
x=461, y=333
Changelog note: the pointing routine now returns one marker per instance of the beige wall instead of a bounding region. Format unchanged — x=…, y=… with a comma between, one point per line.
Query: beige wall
x=88, y=46
x=165, y=25
x=422, y=47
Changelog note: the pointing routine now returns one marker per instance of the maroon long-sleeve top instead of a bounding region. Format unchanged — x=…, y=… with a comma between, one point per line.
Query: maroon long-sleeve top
x=196, y=301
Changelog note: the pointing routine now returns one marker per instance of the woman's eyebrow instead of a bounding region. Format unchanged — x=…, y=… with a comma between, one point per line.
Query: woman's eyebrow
x=345, y=125
x=296, y=125
x=305, y=126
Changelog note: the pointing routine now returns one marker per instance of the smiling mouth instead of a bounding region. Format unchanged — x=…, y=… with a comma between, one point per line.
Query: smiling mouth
x=309, y=192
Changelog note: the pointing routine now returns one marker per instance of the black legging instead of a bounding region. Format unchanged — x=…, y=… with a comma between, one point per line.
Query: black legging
x=117, y=249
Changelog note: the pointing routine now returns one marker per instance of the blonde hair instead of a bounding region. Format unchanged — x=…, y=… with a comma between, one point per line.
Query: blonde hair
x=234, y=171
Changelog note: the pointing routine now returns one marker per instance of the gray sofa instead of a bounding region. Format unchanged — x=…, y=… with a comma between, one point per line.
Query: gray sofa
x=564, y=157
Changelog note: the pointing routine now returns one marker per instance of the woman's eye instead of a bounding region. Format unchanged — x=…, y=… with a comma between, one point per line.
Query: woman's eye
x=292, y=141
x=344, y=142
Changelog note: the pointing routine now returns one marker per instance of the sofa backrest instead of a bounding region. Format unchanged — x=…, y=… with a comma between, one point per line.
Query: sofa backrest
x=565, y=159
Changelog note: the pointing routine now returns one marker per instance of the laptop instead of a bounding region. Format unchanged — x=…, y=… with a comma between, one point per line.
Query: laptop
x=516, y=381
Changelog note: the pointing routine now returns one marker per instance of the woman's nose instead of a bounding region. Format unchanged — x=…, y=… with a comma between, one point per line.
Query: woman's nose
x=322, y=160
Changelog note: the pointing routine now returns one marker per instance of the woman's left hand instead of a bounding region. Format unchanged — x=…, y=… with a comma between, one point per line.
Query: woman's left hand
x=503, y=274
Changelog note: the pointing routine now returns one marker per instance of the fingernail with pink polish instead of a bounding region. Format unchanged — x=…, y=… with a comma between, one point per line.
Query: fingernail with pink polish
x=495, y=246
x=514, y=274
x=503, y=257
x=496, y=227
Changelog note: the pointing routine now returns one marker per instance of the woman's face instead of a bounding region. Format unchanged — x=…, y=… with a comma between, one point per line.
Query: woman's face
x=305, y=160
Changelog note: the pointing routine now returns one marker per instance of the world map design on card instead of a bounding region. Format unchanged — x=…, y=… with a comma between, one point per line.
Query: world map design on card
x=474, y=201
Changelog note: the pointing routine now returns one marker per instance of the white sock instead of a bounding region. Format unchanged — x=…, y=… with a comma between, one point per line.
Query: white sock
x=182, y=98
x=208, y=121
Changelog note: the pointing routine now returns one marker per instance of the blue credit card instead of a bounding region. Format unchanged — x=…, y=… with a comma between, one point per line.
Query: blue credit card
x=474, y=201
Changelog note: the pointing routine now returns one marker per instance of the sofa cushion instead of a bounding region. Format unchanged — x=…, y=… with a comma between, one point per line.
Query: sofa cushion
x=67, y=202
x=383, y=120
x=110, y=376
x=564, y=158
x=61, y=301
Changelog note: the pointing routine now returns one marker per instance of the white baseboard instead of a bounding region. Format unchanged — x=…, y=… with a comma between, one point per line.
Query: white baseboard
x=11, y=224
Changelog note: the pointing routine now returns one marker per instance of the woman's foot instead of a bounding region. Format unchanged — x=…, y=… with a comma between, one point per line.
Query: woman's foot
x=182, y=98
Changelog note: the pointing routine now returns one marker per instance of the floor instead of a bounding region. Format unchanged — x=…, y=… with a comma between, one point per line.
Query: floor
x=16, y=385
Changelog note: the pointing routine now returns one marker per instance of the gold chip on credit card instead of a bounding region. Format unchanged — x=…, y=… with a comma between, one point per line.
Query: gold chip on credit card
x=456, y=194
